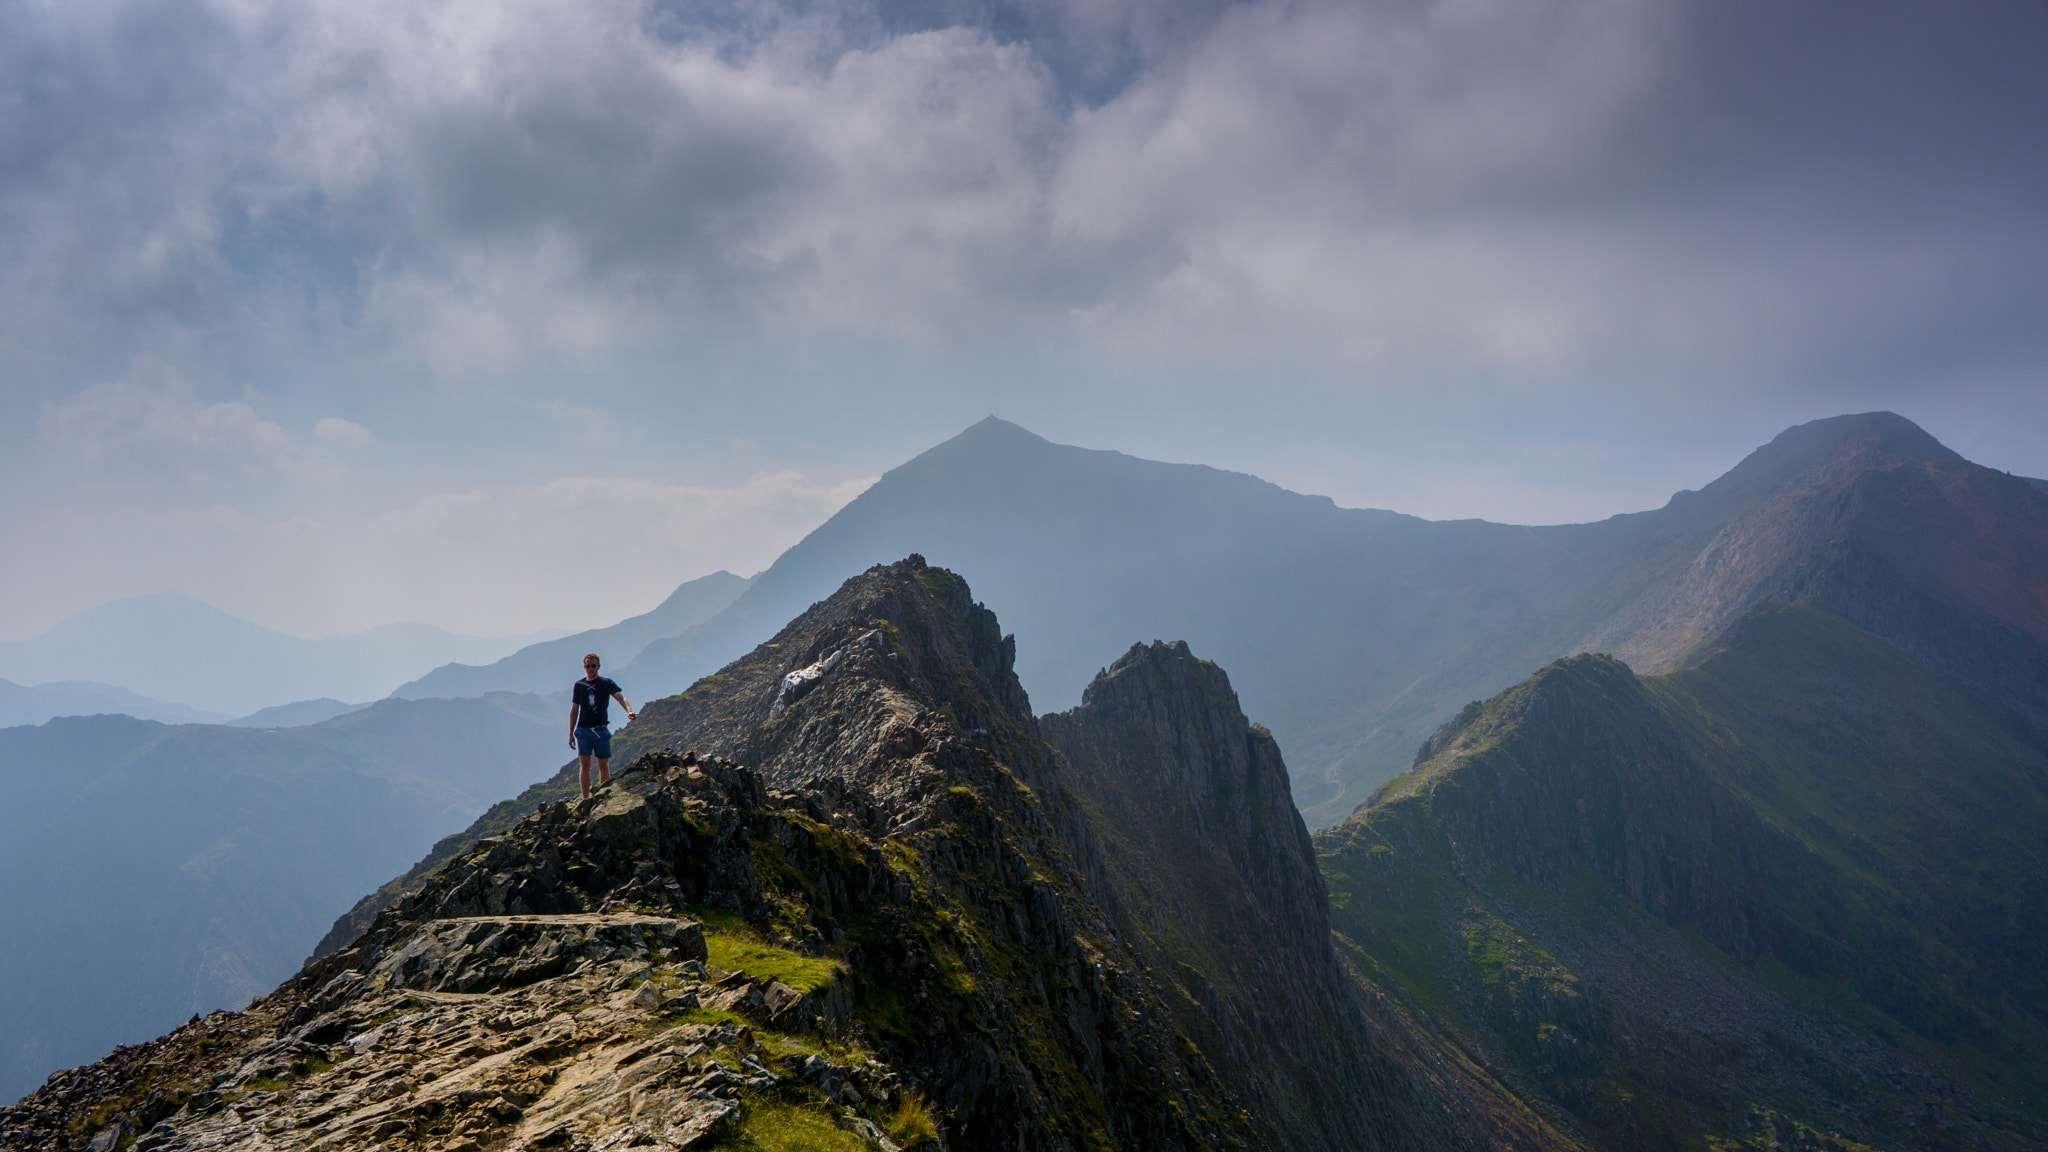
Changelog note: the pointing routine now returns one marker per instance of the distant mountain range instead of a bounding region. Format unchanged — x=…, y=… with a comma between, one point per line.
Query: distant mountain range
x=1354, y=633
x=297, y=714
x=548, y=667
x=161, y=871
x=172, y=647
x=21, y=704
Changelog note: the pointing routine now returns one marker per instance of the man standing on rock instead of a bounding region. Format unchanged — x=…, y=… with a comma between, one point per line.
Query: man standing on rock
x=590, y=732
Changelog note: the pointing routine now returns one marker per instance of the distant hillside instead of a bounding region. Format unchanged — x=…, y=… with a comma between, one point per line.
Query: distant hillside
x=1354, y=633
x=161, y=871
x=548, y=667
x=172, y=647
x=297, y=714
x=1874, y=520
x=34, y=704
x=1796, y=895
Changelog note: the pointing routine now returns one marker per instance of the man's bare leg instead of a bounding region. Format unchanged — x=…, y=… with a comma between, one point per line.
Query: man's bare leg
x=604, y=770
x=584, y=774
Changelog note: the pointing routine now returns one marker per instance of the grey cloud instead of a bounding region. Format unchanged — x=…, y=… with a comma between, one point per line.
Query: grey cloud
x=1612, y=191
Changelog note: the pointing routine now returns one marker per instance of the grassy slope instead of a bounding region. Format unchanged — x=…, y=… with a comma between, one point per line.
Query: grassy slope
x=1843, y=853
x=1927, y=801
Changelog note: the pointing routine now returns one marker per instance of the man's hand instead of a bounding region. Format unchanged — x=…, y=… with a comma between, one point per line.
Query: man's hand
x=632, y=716
x=572, y=739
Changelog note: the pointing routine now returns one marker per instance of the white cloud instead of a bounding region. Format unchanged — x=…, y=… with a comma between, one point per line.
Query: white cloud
x=151, y=423
x=342, y=433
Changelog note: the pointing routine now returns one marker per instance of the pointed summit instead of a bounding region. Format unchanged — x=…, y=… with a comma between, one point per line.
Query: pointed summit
x=1872, y=518
x=1833, y=447
x=1885, y=432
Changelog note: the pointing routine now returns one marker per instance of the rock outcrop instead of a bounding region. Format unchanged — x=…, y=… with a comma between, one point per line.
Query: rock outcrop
x=1213, y=879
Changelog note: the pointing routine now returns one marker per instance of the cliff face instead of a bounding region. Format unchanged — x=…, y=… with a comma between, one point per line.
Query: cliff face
x=1211, y=879
x=1796, y=889
x=876, y=918
x=1178, y=780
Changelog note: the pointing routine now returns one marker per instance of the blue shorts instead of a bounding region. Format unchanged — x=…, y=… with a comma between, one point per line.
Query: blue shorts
x=594, y=742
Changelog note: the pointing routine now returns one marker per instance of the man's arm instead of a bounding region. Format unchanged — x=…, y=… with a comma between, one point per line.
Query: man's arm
x=572, y=723
x=621, y=698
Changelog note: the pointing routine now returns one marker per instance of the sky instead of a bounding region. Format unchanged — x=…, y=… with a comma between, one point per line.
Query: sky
x=514, y=314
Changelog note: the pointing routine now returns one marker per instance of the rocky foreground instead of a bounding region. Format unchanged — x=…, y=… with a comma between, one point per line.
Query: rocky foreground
x=579, y=1030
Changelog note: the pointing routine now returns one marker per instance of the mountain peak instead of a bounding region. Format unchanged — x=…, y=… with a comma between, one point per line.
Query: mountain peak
x=989, y=434
x=1861, y=441
x=902, y=646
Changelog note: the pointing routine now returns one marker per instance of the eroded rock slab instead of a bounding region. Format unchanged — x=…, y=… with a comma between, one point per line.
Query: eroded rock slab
x=489, y=953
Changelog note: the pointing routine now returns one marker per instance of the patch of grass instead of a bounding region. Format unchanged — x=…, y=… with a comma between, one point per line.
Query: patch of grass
x=714, y=1017
x=911, y=1124
x=773, y=1126
x=763, y=961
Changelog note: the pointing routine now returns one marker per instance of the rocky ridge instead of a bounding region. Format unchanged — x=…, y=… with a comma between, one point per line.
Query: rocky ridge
x=870, y=920
x=1237, y=956
x=1792, y=895
x=515, y=1001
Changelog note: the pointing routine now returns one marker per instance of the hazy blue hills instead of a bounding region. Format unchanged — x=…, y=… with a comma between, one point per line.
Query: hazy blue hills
x=1353, y=633
x=549, y=666
x=172, y=647
x=1794, y=896
x=24, y=704
x=297, y=714
x=159, y=871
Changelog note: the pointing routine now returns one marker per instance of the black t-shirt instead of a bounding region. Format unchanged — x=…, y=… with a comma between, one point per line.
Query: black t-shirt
x=593, y=701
